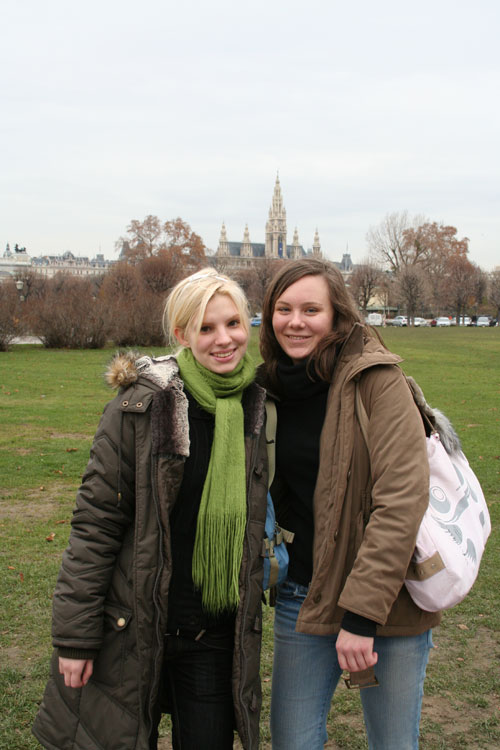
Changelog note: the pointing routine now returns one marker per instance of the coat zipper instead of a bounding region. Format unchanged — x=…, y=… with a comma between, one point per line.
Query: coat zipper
x=159, y=636
x=244, y=709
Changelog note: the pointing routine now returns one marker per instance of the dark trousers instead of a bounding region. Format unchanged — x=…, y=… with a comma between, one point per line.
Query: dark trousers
x=197, y=686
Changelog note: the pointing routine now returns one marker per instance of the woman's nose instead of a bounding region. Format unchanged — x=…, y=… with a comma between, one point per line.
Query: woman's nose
x=222, y=336
x=296, y=320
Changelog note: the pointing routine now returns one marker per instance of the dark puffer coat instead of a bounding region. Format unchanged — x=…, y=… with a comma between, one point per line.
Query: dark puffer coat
x=112, y=589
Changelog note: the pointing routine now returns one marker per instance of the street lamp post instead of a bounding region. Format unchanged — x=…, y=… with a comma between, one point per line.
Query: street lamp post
x=20, y=289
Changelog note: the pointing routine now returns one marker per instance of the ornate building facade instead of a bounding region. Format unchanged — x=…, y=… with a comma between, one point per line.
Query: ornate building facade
x=16, y=262
x=247, y=253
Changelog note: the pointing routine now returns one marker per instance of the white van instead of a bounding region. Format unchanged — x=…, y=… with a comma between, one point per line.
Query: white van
x=375, y=319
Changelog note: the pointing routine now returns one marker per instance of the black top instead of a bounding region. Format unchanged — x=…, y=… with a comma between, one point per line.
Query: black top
x=301, y=413
x=185, y=610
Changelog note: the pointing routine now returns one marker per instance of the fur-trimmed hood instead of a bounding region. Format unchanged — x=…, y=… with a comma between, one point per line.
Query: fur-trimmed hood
x=127, y=367
x=439, y=421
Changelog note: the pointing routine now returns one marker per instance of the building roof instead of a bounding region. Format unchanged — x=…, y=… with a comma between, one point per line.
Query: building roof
x=258, y=249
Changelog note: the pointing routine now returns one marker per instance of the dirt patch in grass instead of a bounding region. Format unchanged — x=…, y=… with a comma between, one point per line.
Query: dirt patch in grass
x=35, y=504
x=481, y=650
x=13, y=657
x=70, y=436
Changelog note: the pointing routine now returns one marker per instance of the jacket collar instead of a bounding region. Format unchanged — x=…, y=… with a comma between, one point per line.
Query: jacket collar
x=361, y=351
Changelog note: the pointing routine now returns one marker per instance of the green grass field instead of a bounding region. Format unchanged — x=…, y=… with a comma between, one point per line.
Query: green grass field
x=50, y=403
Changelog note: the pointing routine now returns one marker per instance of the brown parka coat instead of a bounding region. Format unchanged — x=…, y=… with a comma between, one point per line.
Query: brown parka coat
x=367, y=505
x=112, y=589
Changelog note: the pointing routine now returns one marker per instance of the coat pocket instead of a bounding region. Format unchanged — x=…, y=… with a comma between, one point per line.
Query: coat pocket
x=118, y=646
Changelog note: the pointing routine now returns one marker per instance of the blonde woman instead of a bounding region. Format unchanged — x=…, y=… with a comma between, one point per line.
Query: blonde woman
x=157, y=605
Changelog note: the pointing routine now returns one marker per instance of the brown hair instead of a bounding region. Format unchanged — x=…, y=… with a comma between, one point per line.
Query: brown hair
x=345, y=314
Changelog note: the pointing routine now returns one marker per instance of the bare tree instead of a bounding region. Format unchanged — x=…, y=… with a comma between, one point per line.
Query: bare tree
x=494, y=291
x=461, y=284
x=150, y=237
x=364, y=282
x=254, y=281
x=69, y=314
x=143, y=239
x=161, y=272
x=33, y=283
x=134, y=303
x=411, y=289
x=388, y=243
x=11, y=322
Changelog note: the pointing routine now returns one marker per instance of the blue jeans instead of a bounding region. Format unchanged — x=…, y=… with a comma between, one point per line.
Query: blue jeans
x=306, y=672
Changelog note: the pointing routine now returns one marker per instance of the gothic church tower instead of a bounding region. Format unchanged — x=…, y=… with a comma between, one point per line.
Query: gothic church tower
x=276, y=226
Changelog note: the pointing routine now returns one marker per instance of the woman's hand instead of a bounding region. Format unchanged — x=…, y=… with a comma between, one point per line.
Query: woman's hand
x=355, y=652
x=76, y=671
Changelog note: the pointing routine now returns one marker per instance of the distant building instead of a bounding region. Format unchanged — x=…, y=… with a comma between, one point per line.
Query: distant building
x=14, y=263
x=77, y=265
x=247, y=254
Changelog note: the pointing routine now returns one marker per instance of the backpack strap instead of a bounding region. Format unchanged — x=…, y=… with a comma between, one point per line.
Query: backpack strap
x=271, y=424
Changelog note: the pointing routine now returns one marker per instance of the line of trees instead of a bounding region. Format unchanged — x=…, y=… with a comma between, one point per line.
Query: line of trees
x=415, y=265
x=422, y=267
x=124, y=305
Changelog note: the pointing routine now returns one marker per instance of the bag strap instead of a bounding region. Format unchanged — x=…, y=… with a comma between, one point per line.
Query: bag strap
x=415, y=388
x=271, y=424
x=363, y=416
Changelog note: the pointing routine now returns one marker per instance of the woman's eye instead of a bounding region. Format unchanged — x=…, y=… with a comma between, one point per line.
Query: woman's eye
x=205, y=329
x=234, y=323
x=282, y=309
x=312, y=310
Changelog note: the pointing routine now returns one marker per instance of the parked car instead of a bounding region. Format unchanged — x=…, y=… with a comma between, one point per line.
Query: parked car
x=464, y=321
x=374, y=319
x=483, y=321
x=442, y=322
x=420, y=322
x=399, y=320
x=256, y=320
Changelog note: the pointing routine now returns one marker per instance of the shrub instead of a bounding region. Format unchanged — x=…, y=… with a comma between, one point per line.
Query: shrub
x=134, y=309
x=11, y=323
x=70, y=314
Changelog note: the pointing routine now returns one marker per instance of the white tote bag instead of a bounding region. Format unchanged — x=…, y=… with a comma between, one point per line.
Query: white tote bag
x=453, y=532
x=455, y=527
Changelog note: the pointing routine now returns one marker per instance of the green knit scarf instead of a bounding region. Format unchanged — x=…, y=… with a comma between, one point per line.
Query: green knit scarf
x=220, y=530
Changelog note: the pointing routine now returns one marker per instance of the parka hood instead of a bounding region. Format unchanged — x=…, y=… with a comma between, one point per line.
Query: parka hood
x=127, y=367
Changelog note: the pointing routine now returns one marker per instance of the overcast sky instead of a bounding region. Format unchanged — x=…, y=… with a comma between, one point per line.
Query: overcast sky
x=114, y=110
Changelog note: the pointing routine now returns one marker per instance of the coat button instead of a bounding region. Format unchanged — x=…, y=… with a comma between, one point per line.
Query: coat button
x=138, y=405
x=317, y=598
x=335, y=536
x=120, y=622
x=124, y=403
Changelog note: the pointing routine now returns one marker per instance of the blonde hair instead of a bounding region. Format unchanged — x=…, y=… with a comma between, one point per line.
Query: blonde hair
x=186, y=304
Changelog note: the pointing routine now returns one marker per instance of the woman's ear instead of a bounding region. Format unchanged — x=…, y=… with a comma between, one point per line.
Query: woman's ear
x=179, y=335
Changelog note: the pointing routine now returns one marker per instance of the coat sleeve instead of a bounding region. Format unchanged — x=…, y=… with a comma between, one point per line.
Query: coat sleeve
x=104, y=512
x=399, y=496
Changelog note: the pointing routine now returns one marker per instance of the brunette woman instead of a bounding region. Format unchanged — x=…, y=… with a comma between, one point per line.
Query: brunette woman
x=355, y=513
